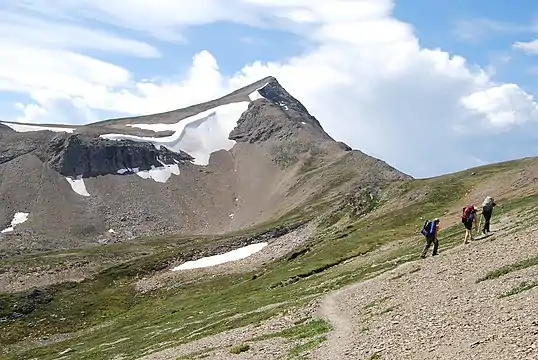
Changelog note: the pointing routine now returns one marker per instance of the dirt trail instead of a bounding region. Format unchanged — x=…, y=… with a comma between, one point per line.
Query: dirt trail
x=434, y=309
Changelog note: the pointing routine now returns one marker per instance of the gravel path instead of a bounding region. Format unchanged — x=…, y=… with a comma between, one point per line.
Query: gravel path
x=434, y=309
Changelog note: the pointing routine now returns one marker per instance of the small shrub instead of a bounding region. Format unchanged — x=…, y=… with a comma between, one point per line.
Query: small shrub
x=238, y=349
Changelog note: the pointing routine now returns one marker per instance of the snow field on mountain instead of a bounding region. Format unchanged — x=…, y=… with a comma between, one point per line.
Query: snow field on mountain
x=233, y=255
x=255, y=95
x=28, y=127
x=18, y=218
x=198, y=135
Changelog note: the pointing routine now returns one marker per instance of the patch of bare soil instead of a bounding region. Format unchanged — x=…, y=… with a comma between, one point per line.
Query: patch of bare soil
x=16, y=279
x=435, y=309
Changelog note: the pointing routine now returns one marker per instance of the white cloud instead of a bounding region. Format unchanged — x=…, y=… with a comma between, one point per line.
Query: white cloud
x=503, y=106
x=367, y=79
x=530, y=47
x=32, y=30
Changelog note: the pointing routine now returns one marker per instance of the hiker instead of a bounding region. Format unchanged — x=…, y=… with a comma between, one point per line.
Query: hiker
x=430, y=230
x=468, y=217
x=487, y=210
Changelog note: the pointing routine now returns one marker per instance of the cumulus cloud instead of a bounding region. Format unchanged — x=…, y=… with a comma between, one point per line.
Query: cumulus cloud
x=365, y=77
x=529, y=47
x=503, y=106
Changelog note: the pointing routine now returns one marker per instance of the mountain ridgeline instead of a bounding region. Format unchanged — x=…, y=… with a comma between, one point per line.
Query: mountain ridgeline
x=119, y=179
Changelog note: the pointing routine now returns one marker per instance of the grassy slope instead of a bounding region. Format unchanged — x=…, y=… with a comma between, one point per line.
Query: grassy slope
x=346, y=249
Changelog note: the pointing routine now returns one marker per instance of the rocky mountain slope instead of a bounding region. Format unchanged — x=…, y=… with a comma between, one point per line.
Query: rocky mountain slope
x=223, y=165
x=343, y=280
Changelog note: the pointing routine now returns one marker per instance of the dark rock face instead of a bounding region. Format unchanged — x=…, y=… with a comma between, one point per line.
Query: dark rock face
x=278, y=115
x=77, y=154
x=275, y=93
x=260, y=122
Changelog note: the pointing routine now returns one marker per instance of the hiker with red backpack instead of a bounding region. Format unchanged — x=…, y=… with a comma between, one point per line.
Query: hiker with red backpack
x=468, y=218
x=430, y=230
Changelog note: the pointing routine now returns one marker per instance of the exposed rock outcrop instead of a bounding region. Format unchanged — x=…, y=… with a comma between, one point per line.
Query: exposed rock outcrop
x=88, y=156
x=277, y=115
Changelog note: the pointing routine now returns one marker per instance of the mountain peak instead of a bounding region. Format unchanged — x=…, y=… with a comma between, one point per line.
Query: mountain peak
x=273, y=110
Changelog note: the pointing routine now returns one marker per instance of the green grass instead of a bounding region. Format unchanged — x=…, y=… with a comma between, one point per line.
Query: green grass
x=523, y=286
x=105, y=308
x=533, y=261
x=301, y=348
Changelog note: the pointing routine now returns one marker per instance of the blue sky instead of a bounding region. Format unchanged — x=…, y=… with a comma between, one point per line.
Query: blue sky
x=375, y=73
x=483, y=31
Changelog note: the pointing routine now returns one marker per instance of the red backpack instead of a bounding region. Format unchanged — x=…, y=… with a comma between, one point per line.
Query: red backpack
x=466, y=211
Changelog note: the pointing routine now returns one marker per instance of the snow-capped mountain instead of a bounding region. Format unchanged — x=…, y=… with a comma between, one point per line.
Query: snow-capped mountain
x=229, y=163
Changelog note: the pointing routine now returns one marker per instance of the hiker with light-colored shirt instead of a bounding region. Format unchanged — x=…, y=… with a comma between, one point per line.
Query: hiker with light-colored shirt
x=487, y=210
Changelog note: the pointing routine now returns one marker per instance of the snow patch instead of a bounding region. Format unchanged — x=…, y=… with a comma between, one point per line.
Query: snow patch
x=78, y=185
x=158, y=174
x=255, y=95
x=28, y=127
x=302, y=122
x=18, y=218
x=111, y=231
x=198, y=135
x=231, y=216
x=283, y=105
x=233, y=255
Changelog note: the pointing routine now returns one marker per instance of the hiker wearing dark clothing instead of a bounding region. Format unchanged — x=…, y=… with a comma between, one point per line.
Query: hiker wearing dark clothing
x=487, y=210
x=468, y=218
x=430, y=230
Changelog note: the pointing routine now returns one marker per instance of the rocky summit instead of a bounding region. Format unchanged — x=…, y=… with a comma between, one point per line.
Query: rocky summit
x=239, y=229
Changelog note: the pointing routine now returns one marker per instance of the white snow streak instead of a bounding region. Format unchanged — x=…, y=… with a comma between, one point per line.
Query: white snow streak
x=198, y=135
x=28, y=127
x=18, y=218
x=255, y=95
x=233, y=255
x=158, y=174
x=78, y=185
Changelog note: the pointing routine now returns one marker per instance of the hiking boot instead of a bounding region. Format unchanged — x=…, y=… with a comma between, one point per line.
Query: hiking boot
x=435, y=254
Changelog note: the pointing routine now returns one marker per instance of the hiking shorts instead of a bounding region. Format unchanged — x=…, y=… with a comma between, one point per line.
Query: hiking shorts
x=468, y=224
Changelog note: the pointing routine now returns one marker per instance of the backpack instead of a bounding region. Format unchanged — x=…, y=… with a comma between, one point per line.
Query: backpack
x=488, y=203
x=466, y=212
x=426, y=228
